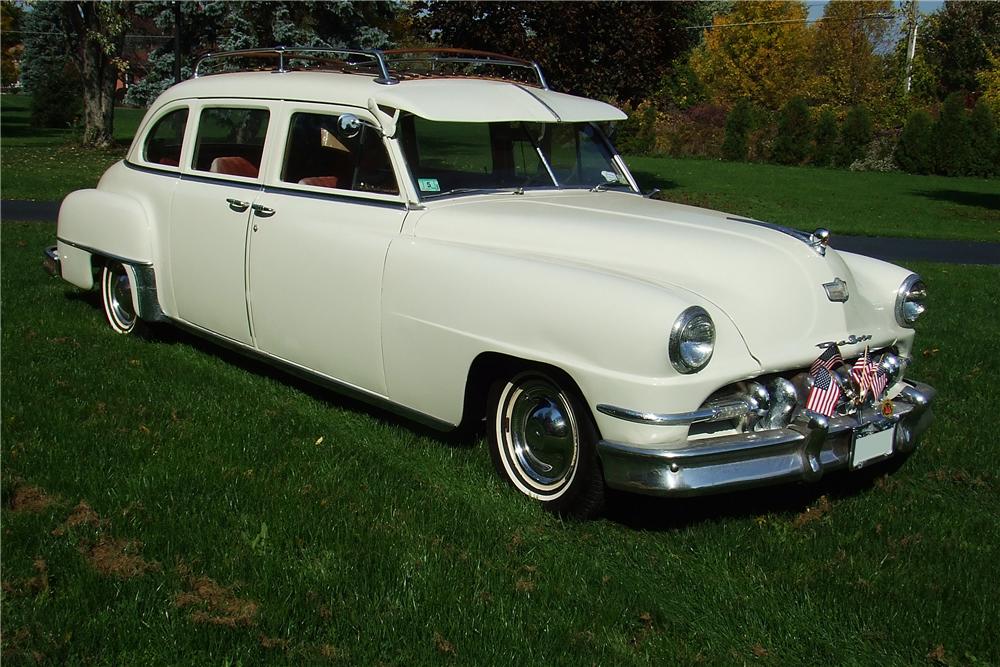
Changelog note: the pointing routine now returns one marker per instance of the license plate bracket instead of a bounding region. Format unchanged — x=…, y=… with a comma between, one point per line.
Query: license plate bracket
x=870, y=445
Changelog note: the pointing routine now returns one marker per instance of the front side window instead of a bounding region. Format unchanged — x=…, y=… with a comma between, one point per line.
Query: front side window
x=163, y=143
x=231, y=141
x=450, y=158
x=321, y=154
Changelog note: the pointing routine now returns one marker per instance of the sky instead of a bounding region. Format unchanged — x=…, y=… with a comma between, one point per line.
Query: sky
x=925, y=6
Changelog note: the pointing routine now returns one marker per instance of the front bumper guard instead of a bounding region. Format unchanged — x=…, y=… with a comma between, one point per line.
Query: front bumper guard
x=803, y=451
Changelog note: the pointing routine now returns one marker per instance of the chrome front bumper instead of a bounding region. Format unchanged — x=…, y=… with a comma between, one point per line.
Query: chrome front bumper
x=811, y=445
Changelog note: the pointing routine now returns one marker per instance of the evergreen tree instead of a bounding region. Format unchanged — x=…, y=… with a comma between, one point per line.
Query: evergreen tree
x=855, y=136
x=984, y=158
x=951, y=137
x=738, y=126
x=794, y=133
x=825, y=138
x=915, y=150
x=47, y=72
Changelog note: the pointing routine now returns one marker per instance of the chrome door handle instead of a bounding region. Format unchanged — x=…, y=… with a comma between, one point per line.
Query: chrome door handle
x=263, y=211
x=237, y=205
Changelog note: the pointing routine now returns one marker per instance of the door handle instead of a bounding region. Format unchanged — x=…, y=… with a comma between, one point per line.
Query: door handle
x=262, y=211
x=237, y=205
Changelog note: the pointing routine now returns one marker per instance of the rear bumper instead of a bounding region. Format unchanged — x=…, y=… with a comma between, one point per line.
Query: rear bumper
x=50, y=261
x=810, y=446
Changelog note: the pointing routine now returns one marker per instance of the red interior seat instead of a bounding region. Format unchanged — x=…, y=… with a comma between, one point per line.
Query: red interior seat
x=234, y=166
x=320, y=181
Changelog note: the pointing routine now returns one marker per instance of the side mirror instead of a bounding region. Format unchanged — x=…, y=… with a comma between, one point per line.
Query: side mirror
x=349, y=126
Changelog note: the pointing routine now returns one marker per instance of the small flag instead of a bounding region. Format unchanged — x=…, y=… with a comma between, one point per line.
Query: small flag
x=829, y=360
x=868, y=377
x=824, y=394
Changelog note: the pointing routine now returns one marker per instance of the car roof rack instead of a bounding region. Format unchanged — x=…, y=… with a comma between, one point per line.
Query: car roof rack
x=390, y=67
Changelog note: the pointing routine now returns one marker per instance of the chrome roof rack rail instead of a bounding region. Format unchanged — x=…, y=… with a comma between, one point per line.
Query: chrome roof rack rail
x=389, y=65
x=371, y=57
x=435, y=56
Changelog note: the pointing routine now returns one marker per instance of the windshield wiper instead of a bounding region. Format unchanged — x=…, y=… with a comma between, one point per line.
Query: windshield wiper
x=601, y=187
x=462, y=191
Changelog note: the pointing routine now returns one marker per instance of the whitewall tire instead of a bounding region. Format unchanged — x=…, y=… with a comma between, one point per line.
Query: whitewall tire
x=117, y=290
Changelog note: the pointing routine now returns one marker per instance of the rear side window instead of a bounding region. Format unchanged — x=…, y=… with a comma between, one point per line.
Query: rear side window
x=231, y=141
x=163, y=143
x=321, y=154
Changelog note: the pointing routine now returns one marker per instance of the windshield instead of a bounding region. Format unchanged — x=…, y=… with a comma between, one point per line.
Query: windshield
x=448, y=158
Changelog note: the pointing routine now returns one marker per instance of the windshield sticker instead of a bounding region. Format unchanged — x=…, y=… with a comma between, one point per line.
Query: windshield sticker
x=610, y=176
x=428, y=185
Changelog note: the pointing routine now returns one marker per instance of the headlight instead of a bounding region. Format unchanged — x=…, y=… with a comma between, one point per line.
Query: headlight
x=910, y=300
x=692, y=340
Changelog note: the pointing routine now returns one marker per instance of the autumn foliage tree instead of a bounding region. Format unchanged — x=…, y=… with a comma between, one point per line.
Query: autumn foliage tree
x=849, y=70
x=758, y=51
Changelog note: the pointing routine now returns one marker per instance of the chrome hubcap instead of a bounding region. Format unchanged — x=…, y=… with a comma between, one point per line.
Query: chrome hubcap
x=120, y=298
x=543, y=433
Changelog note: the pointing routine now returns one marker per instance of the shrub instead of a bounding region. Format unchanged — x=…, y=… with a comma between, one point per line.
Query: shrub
x=794, y=133
x=878, y=156
x=984, y=155
x=855, y=136
x=951, y=137
x=738, y=126
x=825, y=138
x=915, y=151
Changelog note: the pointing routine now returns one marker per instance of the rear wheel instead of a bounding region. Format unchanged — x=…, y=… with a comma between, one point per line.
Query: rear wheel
x=116, y=294
x=543, y=441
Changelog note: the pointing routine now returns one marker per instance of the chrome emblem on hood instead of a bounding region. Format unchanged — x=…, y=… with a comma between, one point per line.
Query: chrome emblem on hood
x=837, y=290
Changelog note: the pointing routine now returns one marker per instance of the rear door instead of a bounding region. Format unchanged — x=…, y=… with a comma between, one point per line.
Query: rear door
x=211, y=214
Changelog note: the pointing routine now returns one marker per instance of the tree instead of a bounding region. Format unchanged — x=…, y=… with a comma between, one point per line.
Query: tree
x=989, y=83
x=794, y=133
x=984, y=155
x=11, y=18
x=915, y=150
x=48, y=74
x=951, y=137
x=629, y=44
x=766, y=61
x=215, y=25
x=847, y=39
x=956, y=42
x=855, y=136
x=739, y=122
x=94, y=34
x=825, y=138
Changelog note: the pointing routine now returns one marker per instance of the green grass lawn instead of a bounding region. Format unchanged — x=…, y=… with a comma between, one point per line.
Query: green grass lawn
x=48, y=164
x=845, y=202
x=165, y=502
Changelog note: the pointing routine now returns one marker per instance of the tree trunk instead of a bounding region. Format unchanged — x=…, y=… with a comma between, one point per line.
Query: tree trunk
x=98, y=47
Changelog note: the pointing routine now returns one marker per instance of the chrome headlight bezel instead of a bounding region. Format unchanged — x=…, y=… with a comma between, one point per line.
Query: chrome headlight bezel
x=910, y=299
x=689, y=331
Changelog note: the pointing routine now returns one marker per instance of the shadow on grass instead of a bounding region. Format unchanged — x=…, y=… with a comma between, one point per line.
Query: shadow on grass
x=649, y=180
x=665, y=514
x=170, y=334
x=987, y=200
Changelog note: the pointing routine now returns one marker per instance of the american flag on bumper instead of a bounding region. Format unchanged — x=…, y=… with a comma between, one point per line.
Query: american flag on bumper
x=868, y=377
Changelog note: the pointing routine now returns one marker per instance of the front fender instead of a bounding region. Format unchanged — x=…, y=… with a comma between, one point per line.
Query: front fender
x=444, y=304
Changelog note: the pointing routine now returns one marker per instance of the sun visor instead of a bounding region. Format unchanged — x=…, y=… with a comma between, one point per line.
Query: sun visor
x=485, y=101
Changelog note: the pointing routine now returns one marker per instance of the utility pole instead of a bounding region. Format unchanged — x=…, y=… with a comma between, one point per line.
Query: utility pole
x=177, y=41
x=911, y=46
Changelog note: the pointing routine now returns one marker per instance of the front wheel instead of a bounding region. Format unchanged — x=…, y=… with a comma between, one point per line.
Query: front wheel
x=116, y=294
x=542, y=440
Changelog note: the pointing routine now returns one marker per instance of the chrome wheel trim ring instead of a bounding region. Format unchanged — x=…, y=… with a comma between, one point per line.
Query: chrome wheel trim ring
x=118, y=298
x=538, y=436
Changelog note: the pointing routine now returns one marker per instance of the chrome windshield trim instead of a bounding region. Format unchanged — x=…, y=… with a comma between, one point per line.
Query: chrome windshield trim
x=719, y=411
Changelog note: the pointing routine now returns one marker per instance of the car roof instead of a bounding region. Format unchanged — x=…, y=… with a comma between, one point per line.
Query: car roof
x=456, y=99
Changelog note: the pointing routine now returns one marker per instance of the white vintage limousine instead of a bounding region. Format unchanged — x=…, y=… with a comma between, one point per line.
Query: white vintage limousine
x=437, y=234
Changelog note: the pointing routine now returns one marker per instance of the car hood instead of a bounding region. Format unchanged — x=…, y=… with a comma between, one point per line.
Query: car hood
x=768, y=281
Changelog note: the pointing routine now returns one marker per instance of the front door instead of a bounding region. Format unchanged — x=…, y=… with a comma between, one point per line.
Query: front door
x=318, y=243
x=210, y=219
